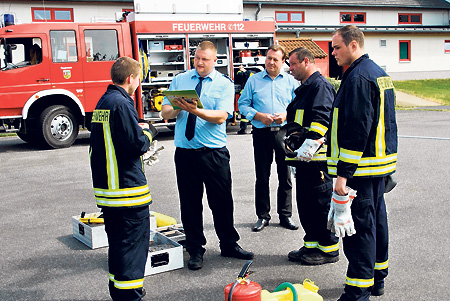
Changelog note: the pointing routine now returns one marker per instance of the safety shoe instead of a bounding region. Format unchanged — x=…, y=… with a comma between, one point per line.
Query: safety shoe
x=236, y=252
x=297, y=254
x=317, y=258
x=377, y=290
x=195, y=261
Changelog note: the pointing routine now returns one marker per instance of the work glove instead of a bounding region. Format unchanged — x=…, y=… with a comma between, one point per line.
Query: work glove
x=340, y=219
x=309, y=148
x=151, y=156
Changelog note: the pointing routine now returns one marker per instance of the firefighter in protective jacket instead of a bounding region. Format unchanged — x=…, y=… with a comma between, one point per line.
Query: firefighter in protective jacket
x=311, y=109
x=362, y=151
x=117, y=143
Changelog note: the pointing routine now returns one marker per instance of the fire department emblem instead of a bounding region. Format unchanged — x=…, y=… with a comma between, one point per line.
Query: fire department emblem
x=67, y=74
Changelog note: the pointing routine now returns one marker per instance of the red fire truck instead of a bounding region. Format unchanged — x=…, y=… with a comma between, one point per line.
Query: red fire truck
x=53, y=74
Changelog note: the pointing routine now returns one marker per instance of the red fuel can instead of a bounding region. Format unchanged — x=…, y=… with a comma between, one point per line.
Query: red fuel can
x=244, y=291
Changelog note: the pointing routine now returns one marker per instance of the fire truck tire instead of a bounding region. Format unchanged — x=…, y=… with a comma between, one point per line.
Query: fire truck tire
x=59, y=126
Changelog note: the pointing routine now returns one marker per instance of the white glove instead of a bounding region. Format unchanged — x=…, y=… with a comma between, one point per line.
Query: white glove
x=151, y=156
x=309, y=148
x=340, y=219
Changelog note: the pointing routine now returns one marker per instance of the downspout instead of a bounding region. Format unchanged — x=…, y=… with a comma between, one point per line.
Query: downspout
x=257, y=11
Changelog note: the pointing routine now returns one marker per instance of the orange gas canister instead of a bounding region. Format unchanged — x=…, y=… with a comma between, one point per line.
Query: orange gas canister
x=244, y=291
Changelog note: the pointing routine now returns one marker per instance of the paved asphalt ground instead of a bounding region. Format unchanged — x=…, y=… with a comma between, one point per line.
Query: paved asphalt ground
x=40, y=190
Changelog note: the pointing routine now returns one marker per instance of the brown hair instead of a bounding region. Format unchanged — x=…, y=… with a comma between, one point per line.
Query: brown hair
x=207, y=45
x=351, y=33
x=122, y=68
x=278, y=48
x=301, y=53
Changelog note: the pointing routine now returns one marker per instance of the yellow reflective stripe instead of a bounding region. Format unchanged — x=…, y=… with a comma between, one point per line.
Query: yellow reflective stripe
x=310, y=244
x=350, y=156
x=375, y=170
x=318, y=128
x=124, y=192
x=333, y=143
x=332, y=170
x=381, y=265
x=111, y=160
x=299, y=116
x=124, y=202
x=359, y=282
x=328, y=249
x=392, y=158
x=128, y=284
x=149, y=135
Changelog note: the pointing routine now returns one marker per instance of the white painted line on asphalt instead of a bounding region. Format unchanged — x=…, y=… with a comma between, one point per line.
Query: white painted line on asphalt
x=423, y=137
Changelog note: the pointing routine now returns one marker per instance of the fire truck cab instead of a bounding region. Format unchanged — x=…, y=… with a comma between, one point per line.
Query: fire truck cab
x=52, y=76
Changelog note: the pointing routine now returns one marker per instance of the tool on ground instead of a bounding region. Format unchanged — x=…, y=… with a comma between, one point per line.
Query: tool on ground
x=92, y=218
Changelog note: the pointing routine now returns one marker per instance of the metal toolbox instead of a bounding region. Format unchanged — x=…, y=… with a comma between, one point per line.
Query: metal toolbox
x=94, y=235
x=174, y=232
x=164, y=254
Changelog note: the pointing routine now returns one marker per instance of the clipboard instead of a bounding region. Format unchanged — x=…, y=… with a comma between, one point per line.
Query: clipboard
x=187, y=95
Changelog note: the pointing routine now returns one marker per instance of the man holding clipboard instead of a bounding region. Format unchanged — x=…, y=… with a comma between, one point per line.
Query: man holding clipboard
x=201, y=155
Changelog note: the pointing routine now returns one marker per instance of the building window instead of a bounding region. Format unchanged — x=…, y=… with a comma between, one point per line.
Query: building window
x=353, y=17
x=290, y=16
x=447, y=46
x=405, y=51
x=382, y=43
x=52, y=14
x=409, y=18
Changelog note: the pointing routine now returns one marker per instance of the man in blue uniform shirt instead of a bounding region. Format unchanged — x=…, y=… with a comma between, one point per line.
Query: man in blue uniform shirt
x=362, y=151
x=201, y=155
x=263, y=101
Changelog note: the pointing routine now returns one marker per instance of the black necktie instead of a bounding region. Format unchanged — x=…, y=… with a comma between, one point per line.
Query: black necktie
x=190, y=123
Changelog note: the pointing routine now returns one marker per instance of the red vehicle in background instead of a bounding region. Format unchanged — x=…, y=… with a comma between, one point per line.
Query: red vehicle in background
x=53, y=74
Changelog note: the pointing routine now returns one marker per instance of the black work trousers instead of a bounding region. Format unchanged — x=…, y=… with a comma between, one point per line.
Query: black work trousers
x=210, y=169
x=264, y=147
x=367, y=250
x=128, y=231
x=314, y=188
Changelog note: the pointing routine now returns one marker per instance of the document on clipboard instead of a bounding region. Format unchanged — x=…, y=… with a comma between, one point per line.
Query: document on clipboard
x=187, y=95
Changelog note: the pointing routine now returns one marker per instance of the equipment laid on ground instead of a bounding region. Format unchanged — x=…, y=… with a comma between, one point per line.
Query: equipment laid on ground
x=244, y=289
x=164, y=254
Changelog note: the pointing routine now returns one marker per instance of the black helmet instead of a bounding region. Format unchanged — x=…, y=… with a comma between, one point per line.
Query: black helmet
x=290, y=137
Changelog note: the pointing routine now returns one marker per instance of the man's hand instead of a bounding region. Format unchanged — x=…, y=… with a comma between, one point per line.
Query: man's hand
x=341, y=186
x=279, y=118
x=187, y=105
x=265, y=118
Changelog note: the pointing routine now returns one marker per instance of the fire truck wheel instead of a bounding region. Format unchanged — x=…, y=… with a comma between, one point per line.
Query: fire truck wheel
x=59, y=126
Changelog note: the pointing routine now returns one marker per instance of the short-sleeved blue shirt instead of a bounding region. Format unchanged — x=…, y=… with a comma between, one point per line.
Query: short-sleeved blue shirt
x=217, y=94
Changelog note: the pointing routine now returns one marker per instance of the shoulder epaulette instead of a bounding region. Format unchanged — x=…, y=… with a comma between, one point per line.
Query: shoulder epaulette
x=226, y=76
